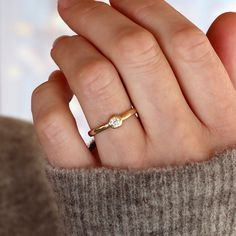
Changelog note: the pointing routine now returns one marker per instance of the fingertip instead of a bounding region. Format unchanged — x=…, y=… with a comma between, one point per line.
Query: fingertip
x=223, y=24
x=222, y=35
x=226, y=16
x=59, y=39
x=55, y=75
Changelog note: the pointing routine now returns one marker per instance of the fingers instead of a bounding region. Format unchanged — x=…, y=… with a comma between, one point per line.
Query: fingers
x=56, y=127
x=96, y=83
x=147, y=76
x=199, y=71
x=222, y=35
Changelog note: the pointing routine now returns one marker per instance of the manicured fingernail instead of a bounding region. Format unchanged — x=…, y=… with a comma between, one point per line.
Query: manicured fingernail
x=66, y=3
x=59, y=39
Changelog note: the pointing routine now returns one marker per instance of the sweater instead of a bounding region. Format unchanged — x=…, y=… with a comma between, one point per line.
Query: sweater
x=193, y=199
x=27, y=204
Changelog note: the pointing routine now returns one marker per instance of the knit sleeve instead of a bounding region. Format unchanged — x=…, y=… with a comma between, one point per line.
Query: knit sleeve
x=193, y=199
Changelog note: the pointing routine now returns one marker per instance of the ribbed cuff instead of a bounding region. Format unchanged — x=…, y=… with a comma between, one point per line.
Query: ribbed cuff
x=194, y=199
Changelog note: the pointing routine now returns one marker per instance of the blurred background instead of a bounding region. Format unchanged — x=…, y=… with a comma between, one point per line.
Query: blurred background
x=27, y=31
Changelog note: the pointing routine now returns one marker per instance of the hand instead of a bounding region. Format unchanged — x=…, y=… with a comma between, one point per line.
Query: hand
x=146, y=54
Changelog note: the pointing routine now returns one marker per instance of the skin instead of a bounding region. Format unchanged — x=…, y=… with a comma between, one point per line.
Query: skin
x=181, y=81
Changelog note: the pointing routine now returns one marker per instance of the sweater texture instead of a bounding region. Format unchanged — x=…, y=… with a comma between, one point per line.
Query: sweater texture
x=27, y=205
x=193, y=199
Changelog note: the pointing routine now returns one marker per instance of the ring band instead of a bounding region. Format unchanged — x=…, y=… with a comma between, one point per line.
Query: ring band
x=114, y=122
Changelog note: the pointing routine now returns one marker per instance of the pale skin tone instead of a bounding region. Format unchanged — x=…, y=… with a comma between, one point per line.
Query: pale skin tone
x=141, y=52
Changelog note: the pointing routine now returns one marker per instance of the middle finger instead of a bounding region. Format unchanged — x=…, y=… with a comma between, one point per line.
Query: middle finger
x=146, y=73
x=96, y=84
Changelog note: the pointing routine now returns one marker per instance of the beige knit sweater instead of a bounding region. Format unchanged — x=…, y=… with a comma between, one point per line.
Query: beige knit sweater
x=194, y=199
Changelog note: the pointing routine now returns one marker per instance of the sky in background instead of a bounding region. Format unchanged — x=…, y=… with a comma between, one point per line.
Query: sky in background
x=27, y=31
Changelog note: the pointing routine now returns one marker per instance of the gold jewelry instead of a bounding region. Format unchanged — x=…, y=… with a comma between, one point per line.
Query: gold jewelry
x=114, y=122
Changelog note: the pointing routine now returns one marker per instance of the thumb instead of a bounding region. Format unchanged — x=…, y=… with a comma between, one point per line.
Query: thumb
x=222, y=35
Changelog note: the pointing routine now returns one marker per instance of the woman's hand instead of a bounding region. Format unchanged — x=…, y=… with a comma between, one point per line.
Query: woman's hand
x=141, y=53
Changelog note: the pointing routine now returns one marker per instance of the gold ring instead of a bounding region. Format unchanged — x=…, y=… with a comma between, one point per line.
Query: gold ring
x=114, y=122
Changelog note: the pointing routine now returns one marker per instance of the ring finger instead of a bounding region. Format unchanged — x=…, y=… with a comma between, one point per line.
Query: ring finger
x=96, y=84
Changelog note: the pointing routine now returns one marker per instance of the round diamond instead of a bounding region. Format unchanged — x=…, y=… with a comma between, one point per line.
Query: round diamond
x=115, y=122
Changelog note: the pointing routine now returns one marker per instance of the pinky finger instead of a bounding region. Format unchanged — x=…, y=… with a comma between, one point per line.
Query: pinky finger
x=56, y=127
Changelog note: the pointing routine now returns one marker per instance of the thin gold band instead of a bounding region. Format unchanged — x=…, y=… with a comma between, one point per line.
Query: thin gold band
x=114, y=122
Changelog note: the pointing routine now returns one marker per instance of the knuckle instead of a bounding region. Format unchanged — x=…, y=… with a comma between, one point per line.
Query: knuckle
x=191, y=45
x=47, y=119
x=49, y=127
x=143, y=11
x=60, y=45
x=135, y=43
x=38, y=92
x=85, y=12
x=96, y=79
x=37, y=107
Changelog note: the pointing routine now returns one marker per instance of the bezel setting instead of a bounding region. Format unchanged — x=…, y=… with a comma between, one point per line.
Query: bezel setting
x=115, y=122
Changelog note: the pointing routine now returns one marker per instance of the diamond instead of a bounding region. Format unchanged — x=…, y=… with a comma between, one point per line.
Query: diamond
x=115, y=122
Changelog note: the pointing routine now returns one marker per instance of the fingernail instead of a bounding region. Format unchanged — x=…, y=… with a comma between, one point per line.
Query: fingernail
x=66, y=3
x=59, y=39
